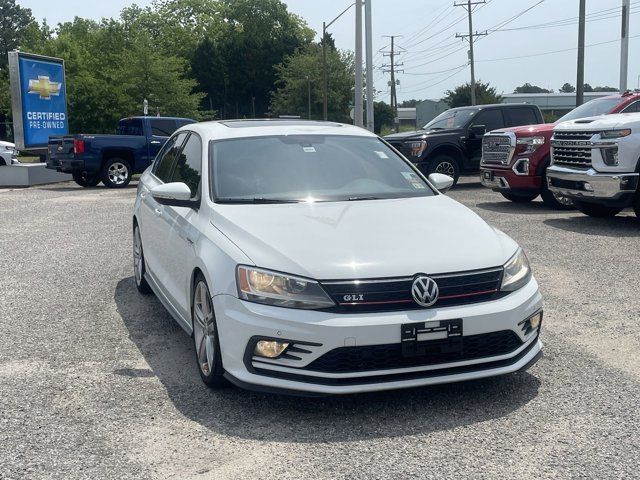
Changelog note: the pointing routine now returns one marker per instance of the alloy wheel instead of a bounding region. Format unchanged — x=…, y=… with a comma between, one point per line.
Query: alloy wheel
x=138, y=257
x=447, y=168
x=204, y=328
x=118, y=173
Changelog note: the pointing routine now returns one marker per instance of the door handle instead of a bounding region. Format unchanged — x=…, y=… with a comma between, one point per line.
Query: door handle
x=143, y=194
x=158, y=211
x=154, y=142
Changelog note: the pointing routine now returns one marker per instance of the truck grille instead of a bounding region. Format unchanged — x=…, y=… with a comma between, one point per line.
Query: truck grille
x=392, y=294
x=497, y=149
x=572, y=148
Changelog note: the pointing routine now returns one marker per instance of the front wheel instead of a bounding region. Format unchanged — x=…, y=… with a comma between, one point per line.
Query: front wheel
x=85, y=179
x=446, y=165
x=597, y=211
x=518, y=198
x=116, y=173
x=138, y=263
x=205, y=336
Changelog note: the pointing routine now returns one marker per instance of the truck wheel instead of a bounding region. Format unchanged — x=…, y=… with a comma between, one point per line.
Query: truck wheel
x=555, y=200
x=636, y=204
x=597, y=211
x=446, y=165
x=85, y=179
x=518, y=198
x=116, y=173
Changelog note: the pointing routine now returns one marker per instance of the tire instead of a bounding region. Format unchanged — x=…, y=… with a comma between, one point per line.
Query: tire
x=636, y=204
x=447, y=165
x=85, y=179
x=554, y=200
x=138, y=263
x=516, y=198
x=206, y=341
x=116, y=173
x=597, y=211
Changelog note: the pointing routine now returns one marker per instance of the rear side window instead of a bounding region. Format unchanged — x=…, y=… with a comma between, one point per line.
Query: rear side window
x=520, y=116
x=167, y=157
x=633, y=108
x=491, y=119
x=188, y=169
x=162, y=127
x=130, y=126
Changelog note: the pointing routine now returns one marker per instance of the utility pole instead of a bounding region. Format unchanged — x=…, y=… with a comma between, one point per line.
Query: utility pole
x=308, y=97
x=324, y=62
x=392, y=68
x=624, y=46
x=358, y=107
x=369, y=56
x=470, y=36
x=580, y=75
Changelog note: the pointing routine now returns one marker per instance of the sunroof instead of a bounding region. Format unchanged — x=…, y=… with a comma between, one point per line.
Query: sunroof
x=274, y=122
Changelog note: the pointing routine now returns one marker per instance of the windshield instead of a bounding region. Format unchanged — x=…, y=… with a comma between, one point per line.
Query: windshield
x=295, y=168
x=451, y=119
x=599, y=106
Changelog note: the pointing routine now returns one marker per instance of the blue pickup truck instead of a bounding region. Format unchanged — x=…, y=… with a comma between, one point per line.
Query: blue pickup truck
x=112, y=159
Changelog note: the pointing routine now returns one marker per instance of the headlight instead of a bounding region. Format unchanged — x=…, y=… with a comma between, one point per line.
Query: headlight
x=625, y=132
x=531, y=143
x=273, y=288
x=417, y=147
x=517, y=272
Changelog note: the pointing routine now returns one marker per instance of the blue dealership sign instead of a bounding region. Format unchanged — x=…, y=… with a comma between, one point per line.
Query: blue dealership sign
x=39, y=99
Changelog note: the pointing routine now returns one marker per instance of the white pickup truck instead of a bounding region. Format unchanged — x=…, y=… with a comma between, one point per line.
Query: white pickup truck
x=596, y=162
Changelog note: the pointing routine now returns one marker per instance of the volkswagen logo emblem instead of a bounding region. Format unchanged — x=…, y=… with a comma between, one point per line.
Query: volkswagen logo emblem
x=424, y=291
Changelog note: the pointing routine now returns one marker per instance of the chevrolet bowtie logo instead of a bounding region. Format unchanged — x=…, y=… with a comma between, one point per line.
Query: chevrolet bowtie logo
x=44, y=87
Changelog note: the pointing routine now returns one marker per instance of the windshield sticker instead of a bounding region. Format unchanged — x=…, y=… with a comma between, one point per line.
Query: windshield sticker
x=309, y=149
x=414, y=180
x=381, y=154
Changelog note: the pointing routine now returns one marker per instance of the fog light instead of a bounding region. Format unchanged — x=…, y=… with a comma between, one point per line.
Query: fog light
x=535, y=320
x=588, y=187
x=270, y=348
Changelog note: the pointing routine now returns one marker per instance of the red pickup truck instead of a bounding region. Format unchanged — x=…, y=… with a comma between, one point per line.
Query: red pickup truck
x=515, y=160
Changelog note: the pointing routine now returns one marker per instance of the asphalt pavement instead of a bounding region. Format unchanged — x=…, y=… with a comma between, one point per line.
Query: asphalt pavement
x=97, y=381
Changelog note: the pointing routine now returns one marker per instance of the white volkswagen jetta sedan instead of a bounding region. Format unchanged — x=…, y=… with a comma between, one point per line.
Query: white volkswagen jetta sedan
x=311, y=257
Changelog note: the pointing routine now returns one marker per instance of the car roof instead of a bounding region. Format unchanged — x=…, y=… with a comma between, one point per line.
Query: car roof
x=496, y=105
x=222, y=129
x=142, y=117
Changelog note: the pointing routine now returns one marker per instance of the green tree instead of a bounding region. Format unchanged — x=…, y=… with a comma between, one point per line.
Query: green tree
x=409, y=103
x=461, y=95
x=605, y=89
x=528, y=88
x=382, y=116
x=567, y=88
x=290, y=97
x=14, y=23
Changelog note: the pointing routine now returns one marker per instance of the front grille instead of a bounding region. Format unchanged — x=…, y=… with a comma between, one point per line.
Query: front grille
x=497, y=149
x=572, y=148
x=379, y=295
x=385, y=357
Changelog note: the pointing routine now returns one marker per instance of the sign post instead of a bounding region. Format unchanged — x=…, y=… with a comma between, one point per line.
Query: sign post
x=38, y=99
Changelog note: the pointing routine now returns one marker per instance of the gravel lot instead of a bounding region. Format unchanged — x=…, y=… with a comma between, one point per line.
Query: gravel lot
x=97, y=381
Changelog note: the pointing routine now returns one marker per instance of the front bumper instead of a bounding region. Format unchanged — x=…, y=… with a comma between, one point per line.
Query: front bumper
x=505, y=179
x=590, y=184
x=321, y=332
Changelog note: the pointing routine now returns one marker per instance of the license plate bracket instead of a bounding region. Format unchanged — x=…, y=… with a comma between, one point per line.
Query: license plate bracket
x=419, y=339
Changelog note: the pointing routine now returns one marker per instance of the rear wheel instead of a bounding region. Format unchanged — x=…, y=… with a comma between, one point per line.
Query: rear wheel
x=85, y=179
x=138, y=263
x=116, y=173
x=554, y=200
x=446, y=165
x=597, y=211
x=518, y=198
x=205, y=336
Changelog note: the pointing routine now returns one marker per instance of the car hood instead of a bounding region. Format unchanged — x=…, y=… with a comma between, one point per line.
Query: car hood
x=529, y=130
x=364, y=239
x=602, y=122
x=7, y=144
x=420, y=133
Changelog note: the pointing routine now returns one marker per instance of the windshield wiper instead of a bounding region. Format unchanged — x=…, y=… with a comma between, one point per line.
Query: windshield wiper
x=255, y=200
x=356, y=199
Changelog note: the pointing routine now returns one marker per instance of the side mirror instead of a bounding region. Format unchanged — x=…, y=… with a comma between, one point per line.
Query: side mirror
x=441, y=181
x=174, y=194
x=477, y=130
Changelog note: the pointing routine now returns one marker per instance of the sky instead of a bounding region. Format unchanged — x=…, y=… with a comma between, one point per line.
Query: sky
x=516, y=50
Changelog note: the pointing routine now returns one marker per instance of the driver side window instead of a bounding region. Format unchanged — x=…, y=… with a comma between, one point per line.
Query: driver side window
x=491, y=119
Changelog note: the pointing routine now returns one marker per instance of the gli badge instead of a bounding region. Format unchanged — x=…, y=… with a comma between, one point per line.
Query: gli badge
x=355, y=297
